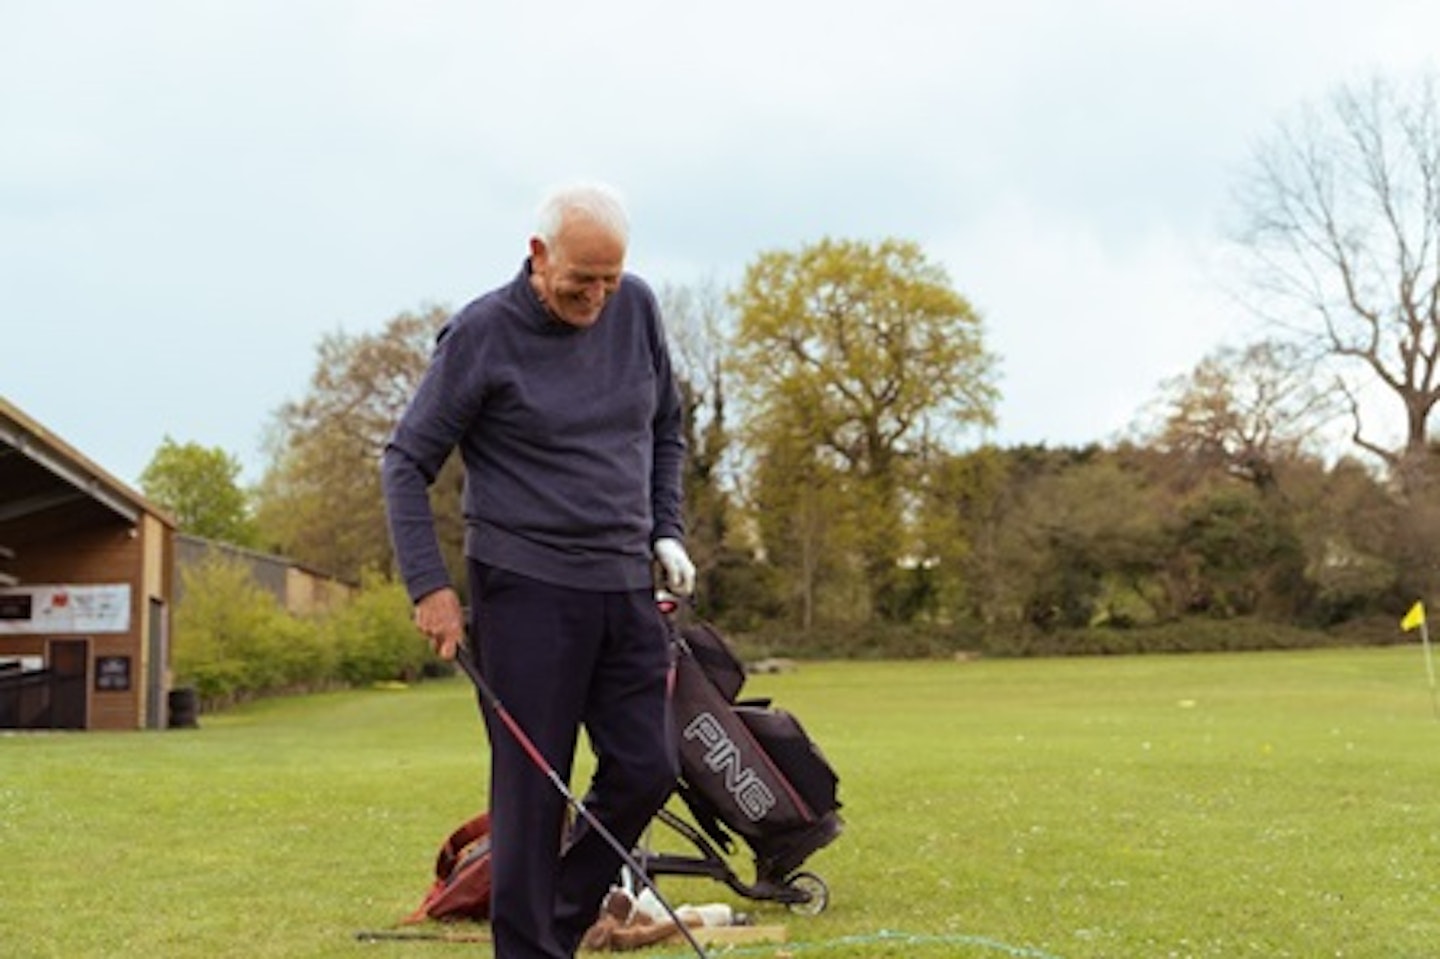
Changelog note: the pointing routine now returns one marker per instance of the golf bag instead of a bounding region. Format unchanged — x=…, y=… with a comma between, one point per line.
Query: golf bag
x=461, y=889
x=746, y=767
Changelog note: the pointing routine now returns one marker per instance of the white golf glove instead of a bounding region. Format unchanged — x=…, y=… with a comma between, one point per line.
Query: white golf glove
x=679, y=571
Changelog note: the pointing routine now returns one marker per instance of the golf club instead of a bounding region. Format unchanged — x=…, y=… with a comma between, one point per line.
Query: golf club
x=467, y=662
x=402, y=935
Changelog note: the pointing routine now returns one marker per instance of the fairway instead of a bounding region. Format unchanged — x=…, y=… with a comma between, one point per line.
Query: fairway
x=1263, y=804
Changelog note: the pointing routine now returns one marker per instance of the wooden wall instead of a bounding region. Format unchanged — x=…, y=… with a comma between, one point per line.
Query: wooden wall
x=110, y=553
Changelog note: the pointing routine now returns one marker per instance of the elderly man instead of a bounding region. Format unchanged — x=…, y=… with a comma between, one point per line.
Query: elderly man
x=558, y=391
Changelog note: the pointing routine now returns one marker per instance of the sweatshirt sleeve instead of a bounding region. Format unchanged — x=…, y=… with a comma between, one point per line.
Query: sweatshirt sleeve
x=423, y=439
x=667, y=471
x=412, y=523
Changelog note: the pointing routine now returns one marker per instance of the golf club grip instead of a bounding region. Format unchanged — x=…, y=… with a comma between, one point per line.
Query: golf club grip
x=466, y=659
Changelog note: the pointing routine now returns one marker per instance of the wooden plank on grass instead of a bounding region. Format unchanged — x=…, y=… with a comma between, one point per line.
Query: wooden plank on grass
x=733, y=935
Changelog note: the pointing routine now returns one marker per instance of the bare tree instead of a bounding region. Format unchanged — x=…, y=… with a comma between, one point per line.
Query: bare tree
x=1245, y=410
x=1343, y=217
x=696, y=321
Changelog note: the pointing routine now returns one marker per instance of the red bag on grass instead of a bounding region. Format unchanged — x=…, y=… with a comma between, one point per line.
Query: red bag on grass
x=462, y=876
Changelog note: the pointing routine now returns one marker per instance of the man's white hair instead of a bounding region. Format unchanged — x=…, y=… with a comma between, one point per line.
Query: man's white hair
x=594, y=201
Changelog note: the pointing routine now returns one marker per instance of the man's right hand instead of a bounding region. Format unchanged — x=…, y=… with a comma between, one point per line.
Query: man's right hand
x=438, y=615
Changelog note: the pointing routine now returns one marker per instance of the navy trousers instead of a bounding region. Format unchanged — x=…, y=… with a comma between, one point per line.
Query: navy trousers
x=559, y=659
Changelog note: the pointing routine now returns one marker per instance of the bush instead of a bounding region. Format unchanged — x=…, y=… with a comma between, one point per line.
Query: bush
x=1191, y=635
x=375, y=636
x=877, y=640
x=234, y=642
x=930, y=640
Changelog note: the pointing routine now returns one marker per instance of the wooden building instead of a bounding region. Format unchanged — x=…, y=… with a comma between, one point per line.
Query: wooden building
x=86, y=583
x=299, y=589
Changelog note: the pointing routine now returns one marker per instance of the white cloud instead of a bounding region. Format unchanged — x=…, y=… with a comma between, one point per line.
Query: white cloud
x=1086, y=328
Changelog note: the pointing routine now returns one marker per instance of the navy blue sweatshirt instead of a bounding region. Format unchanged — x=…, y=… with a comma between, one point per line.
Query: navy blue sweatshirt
x=571, y=439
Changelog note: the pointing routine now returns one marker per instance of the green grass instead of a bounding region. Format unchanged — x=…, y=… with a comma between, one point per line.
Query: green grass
x=1254, y=804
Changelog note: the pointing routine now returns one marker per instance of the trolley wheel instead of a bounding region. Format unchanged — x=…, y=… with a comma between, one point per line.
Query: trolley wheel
x=816, y=893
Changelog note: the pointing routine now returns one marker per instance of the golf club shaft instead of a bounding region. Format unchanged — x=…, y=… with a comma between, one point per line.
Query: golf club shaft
x=403, y=935
x=467, y=662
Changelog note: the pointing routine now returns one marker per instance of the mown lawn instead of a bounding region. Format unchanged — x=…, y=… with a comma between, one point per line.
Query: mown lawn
x=1257, y=804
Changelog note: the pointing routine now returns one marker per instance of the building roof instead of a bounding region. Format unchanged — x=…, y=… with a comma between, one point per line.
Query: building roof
x=48, y=488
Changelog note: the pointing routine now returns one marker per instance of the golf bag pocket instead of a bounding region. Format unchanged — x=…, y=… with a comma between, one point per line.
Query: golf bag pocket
x=722, y=761
x=715, y=657
x=798, y=757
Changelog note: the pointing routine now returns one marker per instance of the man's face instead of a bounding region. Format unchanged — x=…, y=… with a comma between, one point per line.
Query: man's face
x=579, y=272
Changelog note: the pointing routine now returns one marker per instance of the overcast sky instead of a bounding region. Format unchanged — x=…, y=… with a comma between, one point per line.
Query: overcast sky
x=193, y=193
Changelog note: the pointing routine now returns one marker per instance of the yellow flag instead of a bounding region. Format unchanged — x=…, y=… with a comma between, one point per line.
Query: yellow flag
x=1414, y=618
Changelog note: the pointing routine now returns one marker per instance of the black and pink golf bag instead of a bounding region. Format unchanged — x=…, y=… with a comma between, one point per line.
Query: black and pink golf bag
x=748, y=768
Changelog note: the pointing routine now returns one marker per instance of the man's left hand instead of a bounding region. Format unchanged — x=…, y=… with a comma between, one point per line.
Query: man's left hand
x=679, y=571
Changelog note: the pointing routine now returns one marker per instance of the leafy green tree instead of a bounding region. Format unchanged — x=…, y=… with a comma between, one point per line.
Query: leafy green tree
x=1245, y=557
x=1357, y=541
x=200, y=486
x=802, y=513
x=1056, y=538
x=1101, y=523
x=320, y=499
x=966, y=499
x=864, y=354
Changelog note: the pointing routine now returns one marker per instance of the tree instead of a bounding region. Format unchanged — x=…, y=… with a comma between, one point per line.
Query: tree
x=1244, y=557
x=1243, y=410
x=320, y=499
x=1062, y=537
x=201, y=487
x=1360, y=545
x=867, y=353
x=696, y=321
x=799, y=501
x=1343, y=212
x=967, y=498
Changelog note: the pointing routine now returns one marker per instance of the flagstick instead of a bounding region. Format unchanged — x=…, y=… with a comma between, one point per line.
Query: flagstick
x=1429, y=667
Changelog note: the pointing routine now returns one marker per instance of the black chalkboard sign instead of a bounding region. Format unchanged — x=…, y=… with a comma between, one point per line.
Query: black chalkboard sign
x=112, y=673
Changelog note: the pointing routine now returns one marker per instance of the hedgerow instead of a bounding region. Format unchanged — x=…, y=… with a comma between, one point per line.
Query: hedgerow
x=233, y=641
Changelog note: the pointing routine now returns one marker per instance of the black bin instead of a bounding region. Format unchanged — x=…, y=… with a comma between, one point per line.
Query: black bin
x=184, y=703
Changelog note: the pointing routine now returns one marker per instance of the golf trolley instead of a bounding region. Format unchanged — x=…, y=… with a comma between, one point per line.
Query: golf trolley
x=747, y=770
